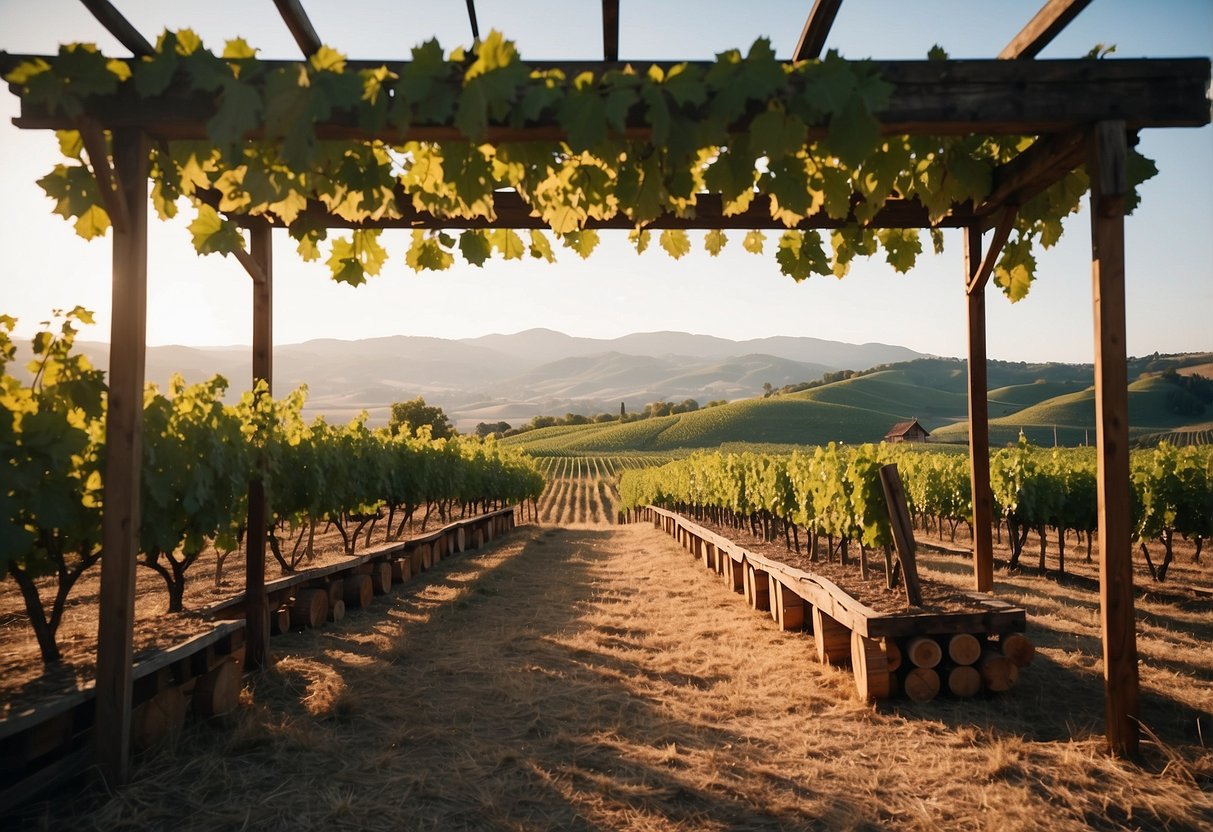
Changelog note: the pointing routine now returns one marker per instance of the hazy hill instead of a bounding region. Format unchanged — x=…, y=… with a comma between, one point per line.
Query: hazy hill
x=515, y=377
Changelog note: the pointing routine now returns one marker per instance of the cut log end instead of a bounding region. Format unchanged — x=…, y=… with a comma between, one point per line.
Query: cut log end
x=337, y=611
x=310, y=608
x=358, y=591
x=921, y=684
x=964, y=681
x=998, y=672
x=964, y=648
x=1017, y=648
x=923, y=651
x=218, y=692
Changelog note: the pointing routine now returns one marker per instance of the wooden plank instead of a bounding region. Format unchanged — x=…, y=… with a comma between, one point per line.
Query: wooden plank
x=1109, y=184
x=68, y=766
x=816, y=30
x=1045, y=162
x=610, y=30
x=903, y=531
x=1047, y=24
x=927, y=98
x=300, y=26
x=979, y=421
x=123, y=464
x=119, y=26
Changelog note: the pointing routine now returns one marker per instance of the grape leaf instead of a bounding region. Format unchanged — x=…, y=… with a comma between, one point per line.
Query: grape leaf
x=715, y=241
x=507, y=241
x=582, y=242
x=639, y=238
x=213, y=234
x=541, y=248
x=753, y=242
x=474, y=245
x=675, y=242
x=902, y=247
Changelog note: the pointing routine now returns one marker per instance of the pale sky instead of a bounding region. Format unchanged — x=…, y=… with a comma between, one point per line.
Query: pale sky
x=206, y=300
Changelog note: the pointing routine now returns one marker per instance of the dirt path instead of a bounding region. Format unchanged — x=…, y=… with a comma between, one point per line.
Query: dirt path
x=596, y=678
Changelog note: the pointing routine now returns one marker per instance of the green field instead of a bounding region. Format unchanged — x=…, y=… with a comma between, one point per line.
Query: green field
x=1049, y=403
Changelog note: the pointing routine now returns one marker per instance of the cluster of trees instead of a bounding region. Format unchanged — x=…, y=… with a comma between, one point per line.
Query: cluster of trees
x=652, y=410
x=769, y=390
x=199, y=455
x=1191, y=395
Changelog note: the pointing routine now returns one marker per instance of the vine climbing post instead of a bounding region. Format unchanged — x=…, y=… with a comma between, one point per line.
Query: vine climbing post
x=1107, y=166
x=123, y=461
x=979, y=415
x=257, y=618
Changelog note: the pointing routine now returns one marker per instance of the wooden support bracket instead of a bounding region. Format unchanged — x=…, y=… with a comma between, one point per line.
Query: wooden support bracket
x=1002, y=232
x=903, y=532
x=98, y=156
x=250, y=265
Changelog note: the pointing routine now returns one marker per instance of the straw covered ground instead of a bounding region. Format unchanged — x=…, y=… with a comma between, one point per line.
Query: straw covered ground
x=597, y=678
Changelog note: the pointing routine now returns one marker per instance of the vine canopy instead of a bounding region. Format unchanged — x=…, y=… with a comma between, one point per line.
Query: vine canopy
x=456, y=143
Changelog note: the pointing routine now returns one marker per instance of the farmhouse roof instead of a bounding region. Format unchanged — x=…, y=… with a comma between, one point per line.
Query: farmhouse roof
x=902, y=428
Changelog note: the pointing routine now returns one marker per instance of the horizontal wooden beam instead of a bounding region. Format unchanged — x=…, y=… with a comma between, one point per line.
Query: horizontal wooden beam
x=513, y=212
x=119, y=26
x=928, y=98
x=300, y=25
x=816, y=29
x=1054, y=16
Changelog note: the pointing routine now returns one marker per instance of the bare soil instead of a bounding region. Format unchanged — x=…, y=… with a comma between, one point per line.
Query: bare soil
x=598, y=678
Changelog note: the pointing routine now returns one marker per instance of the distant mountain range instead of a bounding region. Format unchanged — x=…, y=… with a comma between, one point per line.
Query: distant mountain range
x=515, y=377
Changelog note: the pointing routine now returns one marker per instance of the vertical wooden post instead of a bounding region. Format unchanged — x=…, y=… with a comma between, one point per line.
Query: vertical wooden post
x=1107, y=166
x=256, y=608
x=979, y=418
x=123, y=463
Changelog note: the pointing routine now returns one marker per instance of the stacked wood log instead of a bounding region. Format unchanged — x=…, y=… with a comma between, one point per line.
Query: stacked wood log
x=357, y=591
x=402, y=569
x=381, y=577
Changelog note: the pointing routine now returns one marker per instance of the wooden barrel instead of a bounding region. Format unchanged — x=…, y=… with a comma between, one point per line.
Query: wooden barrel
x=870, y=668
x=358, y=591
x=832, y=640
x=381, y=577
x=218, y=691
x=310, y=608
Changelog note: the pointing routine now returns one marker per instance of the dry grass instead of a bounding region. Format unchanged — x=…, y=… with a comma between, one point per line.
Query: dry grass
x=600, y=679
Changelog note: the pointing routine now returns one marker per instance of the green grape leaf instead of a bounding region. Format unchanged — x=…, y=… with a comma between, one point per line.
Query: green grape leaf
x=94, y=222
x=675, y=242
x=582, y=242
x=902, y=247
x=239, y=111
x=583, y=115
x=541, y=248
x=777, y=134
x=639, y=238
x=212, y=234
x=1016, y=269
x=800, y=255
x=474, y=245
x=853, y=133
x=507, y=241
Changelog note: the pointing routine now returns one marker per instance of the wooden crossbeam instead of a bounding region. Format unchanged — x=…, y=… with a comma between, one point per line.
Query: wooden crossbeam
x=1002, y=232
x=118, y=26
x=513, y=212
x=251, y=265
x=472, y=19
x=816, y=29
x=297, y=21
x=1031, y=172
x=610, y=30
x=927, y=98
x=1054, y=16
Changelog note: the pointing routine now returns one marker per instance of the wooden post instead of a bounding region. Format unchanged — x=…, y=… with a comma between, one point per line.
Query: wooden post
x=123, y=463
x=979, y=418
x=1108, y=169
x=256, y=609
x=903, y=531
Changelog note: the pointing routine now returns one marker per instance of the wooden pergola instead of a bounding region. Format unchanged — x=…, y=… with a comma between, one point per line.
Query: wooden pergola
x=1082, y=111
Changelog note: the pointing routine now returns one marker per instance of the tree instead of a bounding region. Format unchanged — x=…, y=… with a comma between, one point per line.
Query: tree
x=767, y=389
x=413, y=415
x=486, y=429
